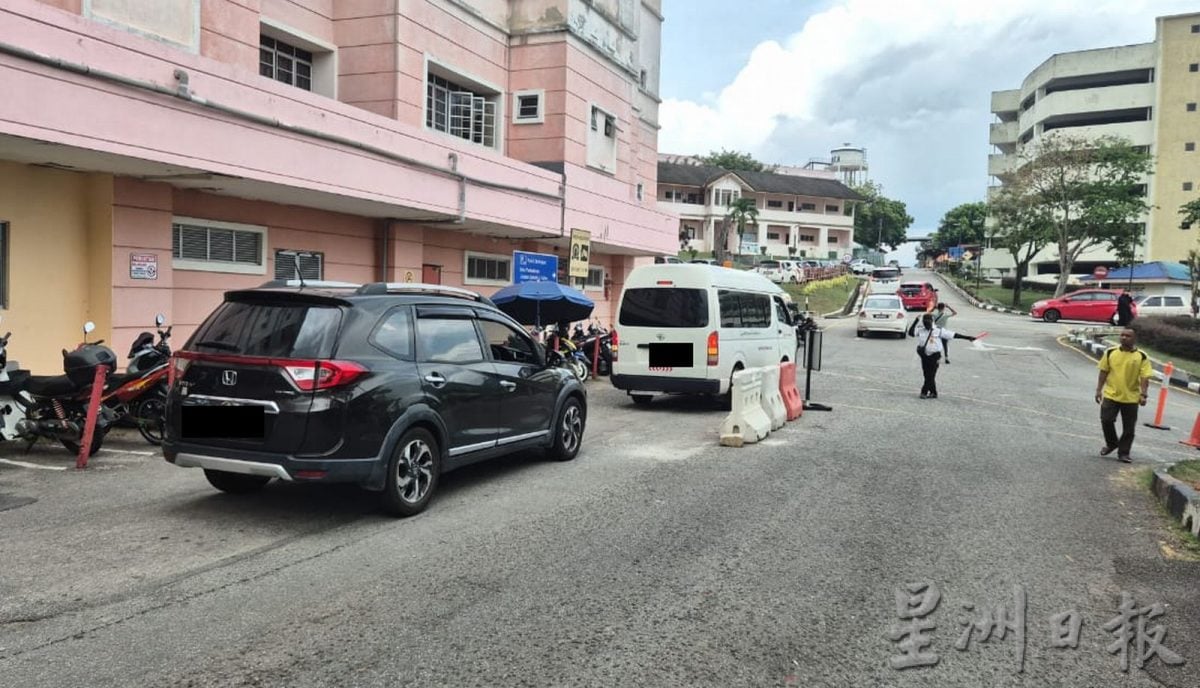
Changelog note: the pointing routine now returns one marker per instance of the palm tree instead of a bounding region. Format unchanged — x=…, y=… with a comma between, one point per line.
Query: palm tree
x=742, y=213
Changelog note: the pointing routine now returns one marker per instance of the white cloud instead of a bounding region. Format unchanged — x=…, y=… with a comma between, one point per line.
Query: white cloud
x=908, y=79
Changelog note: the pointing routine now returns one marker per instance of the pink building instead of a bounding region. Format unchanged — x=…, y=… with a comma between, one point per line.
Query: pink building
x=154, y=153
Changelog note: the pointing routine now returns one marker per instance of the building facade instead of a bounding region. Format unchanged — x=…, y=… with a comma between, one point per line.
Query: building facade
x=154, y=154
x=805, y=210
x=1145, y=93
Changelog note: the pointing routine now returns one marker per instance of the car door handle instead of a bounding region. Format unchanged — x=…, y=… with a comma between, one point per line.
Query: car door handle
x=508, y=386
x=435, y=379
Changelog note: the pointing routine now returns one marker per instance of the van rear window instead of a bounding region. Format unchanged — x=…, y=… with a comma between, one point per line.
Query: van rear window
x=664, y=307
x=274, y=330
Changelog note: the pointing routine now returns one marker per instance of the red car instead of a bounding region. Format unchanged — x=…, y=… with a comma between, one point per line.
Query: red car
x=917, y=295
x=1095, y=305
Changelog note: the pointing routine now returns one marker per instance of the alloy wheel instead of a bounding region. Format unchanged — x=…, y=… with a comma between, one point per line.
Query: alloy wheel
x=414, y=471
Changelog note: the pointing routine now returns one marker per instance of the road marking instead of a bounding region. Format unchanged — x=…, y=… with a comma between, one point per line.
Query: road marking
x=25, y=464
x=984, y=346
x=128, y=451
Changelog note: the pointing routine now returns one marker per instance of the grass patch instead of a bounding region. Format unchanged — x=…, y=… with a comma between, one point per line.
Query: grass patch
x=825, y=296
x=1179, y=543
x=1001, y=296
x=1187, y=471
x=1191, y=367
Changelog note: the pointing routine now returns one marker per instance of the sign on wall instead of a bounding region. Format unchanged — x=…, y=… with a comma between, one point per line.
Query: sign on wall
x=143, y=266
x=534, y=267
x=581, y=253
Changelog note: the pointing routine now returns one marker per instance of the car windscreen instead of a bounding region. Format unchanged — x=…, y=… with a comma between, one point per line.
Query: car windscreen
x=769, y=264
x=879, y=303
x=285, y=330
x=664, y=307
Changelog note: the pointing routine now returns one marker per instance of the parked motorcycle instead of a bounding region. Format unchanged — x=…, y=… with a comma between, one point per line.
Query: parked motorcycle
x=140, y=394
x=34, y=407
x=595, y=336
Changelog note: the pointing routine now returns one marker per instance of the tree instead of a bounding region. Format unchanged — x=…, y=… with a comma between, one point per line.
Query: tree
x=879, y=220
x=1085, y=190
x=963, y=224
x=1191, y=216
x=741, y=213
x=734, y=161
x=1018, y=227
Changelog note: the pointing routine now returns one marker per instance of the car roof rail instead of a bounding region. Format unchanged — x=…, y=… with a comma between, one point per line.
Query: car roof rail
x=379, y=288
x=308, y=284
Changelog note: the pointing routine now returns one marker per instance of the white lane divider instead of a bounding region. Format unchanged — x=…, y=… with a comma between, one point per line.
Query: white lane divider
x=26, y=464
x=981, y=345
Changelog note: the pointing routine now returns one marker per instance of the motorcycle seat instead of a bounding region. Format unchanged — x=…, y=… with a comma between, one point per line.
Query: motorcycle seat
x=17, y=380
x=115, y=380
x=50, y=386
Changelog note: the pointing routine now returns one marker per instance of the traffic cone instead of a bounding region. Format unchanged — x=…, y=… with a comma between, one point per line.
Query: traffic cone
x=1194, y=440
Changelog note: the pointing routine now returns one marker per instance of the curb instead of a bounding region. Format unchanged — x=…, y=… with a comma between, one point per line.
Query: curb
x=1179, y=499
x=976, y=302
x=1085, y=343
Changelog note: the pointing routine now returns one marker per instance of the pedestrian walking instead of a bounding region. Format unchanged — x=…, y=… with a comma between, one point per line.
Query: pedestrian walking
x=1121, y=388
x=931, y=341
x=940, y=319
x=1124, y=309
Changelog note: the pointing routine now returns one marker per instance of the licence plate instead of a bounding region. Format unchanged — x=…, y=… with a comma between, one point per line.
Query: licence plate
x=881, y=316
x=222, y=422
x=670, y=356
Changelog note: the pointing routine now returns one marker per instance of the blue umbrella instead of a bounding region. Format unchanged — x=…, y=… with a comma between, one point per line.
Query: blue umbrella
x=538, y=303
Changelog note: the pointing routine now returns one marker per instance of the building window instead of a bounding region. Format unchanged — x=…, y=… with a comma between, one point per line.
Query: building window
x=641, y=191
x=1189, y=146
x=1194, y=67
x=594, y=280
x=218, y=246
x=689, y=232
x=833, y=238
x=693, y=199
x=485, y=268
x=527, y=107
x=294, y=265
x=1195, y=28
x=284, y=62
x=772, y=236
x=642, y=78
x=460, y=111
x=725, y=196
x=775, y=204
x=1191, y=107
x=602, y=140
x=832, y=209
x=808, y=206
x=3, y=265
x=811, y=238
x=791, y=206
x=1187, y=186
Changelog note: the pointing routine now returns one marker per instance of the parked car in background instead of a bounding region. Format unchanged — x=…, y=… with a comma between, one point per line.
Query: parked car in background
x=882, y=313
x=1093, y=305
x=384, y=385
x=918, y=295
x=861, y=267
x=703, y=261
x=667, y=259
x=1158, y=304
x=795, y=271
x=773, y=270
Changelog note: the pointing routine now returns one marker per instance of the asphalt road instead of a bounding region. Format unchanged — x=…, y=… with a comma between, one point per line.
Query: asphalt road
x=657, y=558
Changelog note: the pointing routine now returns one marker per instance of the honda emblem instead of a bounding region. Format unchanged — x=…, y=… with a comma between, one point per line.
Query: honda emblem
x=229, y=377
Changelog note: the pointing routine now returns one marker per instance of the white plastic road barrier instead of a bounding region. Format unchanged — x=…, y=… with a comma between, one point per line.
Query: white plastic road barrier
x=772, y=400
x=747, y=422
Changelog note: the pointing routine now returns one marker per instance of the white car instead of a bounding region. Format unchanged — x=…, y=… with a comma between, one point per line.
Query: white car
x=861, y=267
x=1158, y=304
x=795, y=271
x=882, y=313
x=884, y=280
x=778, y=271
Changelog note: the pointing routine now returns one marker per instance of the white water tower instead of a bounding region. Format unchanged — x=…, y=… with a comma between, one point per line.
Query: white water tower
x=850, y=164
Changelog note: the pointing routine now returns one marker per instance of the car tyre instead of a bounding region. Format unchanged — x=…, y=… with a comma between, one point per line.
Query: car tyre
x=568, y=430
x=861, y=333
x=642, y=399
x=1051, y=316
x=235, y=483
x=413, y=473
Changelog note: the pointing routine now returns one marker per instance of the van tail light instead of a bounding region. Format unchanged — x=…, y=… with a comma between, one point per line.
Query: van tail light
x=614, y=345
x=312, y=376
x=714, y=348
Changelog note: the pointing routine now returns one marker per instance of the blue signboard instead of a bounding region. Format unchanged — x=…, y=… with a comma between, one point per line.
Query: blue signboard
x=956, y=252
x=534, y=267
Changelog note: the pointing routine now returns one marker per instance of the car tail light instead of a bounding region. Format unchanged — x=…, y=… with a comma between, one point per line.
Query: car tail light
x=714, y=348
x=899, y=315
x=862, y=314
x=178, y=367
x=614, y=344
x=312, y=376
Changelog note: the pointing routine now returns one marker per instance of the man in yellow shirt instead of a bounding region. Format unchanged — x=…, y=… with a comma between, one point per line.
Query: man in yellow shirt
x=1124, y=378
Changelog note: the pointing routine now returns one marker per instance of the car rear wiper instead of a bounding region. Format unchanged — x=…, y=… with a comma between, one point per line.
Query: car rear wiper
x=212, y=343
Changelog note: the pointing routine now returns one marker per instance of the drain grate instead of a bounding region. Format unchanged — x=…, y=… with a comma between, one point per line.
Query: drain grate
x=8, y=501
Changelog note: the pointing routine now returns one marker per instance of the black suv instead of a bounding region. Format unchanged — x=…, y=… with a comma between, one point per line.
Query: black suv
x=385, y=385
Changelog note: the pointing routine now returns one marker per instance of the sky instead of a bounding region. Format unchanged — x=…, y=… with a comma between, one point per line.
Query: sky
x=909, y=80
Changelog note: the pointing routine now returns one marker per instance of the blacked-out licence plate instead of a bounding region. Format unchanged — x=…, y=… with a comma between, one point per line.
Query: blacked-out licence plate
x=675, y=355
x=222, y=422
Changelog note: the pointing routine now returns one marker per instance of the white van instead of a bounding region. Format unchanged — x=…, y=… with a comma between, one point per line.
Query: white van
x=684, y=329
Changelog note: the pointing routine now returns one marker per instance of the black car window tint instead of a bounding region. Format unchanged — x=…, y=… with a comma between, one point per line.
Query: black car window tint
x=506, y=344
x=731, y=308
x=394, y=334
x=448, y=340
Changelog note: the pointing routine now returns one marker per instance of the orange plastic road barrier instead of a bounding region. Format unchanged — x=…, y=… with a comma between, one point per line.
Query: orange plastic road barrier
x=1162, y=398
x=787, y=389
x=1194, y=440
x=93, y=410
